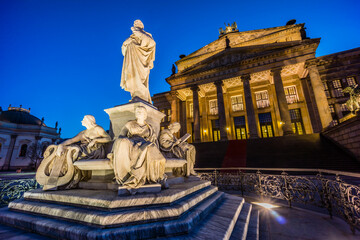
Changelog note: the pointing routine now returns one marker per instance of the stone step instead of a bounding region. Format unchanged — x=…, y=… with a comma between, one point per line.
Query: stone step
x=254, y=226
x=61, y=229
x=220, y=223
x=106, y=199
x=242, y=223
x=114, y=218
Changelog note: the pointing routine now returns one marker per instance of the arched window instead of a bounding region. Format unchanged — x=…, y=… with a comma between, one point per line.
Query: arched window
x=23, y=150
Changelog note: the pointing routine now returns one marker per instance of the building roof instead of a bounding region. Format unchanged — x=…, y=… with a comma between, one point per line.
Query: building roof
x=20, y=116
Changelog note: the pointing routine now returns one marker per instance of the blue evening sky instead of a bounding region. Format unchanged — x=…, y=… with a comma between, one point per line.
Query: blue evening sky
x=63, y=58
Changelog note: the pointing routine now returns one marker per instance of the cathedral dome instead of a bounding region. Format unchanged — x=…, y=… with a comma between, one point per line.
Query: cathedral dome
x=20, y=116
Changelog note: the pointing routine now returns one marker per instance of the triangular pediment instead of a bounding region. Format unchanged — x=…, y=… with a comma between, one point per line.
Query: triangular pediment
x=235, y=55
x=242, y=39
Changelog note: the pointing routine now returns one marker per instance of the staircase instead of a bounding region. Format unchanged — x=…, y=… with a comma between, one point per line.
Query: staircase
x=191, y=209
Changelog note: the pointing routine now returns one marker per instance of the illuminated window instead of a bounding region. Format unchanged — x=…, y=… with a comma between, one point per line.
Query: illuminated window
x=163, y=119
x=326, y=88
x=291, y=94
x=240, y=127
x=344, y=107
x=334, y=122
x=338, y=91
x=191, y=110
x=262, y=99
x=23, y=150
x=169, y=115
x=213, y=107
x=266, y=125
x=215, y=129
x=332, y=108
x=296, y=121
x=237, y=103
x=351, y=81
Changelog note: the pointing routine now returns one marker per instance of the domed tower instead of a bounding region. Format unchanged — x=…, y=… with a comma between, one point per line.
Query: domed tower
x=23, y=138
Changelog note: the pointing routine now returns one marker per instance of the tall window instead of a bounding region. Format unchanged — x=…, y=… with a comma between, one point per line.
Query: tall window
x=23, y=150
x=216, y=129
x=332, y=108
x=213, y=107
x=291, y=94
x=191, y=110
x=344, y=109
x=266, y=125
x=237, y=103
x=240, y=127
x=338, y=90
x=262, y=99
x=296, y=121
x=351, y=81
x=326, y=88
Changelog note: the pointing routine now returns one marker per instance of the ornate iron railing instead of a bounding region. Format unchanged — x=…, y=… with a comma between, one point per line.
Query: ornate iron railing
x=338, y=192
x=11, y=190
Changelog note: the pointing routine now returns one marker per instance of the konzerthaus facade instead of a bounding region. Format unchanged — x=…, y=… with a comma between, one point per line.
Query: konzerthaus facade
x=259, y=83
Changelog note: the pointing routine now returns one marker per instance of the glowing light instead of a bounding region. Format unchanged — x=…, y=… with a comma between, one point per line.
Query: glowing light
x=205, y=131
x=279, y=219
x=227, y=128
x=265, y=205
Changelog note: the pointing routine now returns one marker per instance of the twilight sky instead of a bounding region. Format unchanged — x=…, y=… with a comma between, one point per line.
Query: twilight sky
x=63, y=58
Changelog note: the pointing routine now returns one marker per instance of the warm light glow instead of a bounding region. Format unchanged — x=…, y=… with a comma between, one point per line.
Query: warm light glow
x=281, y=123
x=205, y=131
x=265, y=205
x=227, y=128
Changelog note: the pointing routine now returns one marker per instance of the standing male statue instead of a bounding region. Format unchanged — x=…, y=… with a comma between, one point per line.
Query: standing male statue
x=139, y=55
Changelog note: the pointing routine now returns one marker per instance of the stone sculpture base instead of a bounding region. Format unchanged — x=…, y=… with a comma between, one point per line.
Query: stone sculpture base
x=121, y=114
x=189, y=210
x=148, y=188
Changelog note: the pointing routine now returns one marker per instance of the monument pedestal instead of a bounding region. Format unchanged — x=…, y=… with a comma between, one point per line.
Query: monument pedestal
x=121, y=114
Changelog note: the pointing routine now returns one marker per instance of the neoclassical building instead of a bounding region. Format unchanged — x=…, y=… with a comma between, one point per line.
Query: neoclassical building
x=259, y=83
x=23, y=138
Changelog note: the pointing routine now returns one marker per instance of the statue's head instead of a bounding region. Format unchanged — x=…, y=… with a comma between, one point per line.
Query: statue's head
x=141, y=113
x=138, y=24
x=88, y=121
x=174, y=127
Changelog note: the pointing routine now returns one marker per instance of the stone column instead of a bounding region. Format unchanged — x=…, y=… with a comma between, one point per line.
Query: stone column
x=221, y=109
x=250, y=112
x=320, y=96
x=282, y=103
x=174, y=106
x=9, y=154
x=196, y=113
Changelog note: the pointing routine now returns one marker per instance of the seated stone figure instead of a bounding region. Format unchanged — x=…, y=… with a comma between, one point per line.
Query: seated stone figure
x=57, y=169
x=136, y=156
x=172, y=147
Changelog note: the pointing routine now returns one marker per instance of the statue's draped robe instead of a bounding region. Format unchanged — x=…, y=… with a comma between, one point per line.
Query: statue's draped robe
x=137, y=158
x=139, y=55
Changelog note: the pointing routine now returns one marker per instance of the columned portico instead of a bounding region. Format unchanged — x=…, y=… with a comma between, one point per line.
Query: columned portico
x=282, y=103
x=250, y=112
x=196, y=112
x=320, y=96
x=221, y=109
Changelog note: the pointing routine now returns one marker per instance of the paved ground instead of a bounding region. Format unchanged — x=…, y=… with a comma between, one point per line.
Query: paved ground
x=294, y=223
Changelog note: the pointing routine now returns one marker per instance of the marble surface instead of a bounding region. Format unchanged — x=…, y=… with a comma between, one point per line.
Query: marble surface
x=108, y=199
x=113, y=218
x=69, y=230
